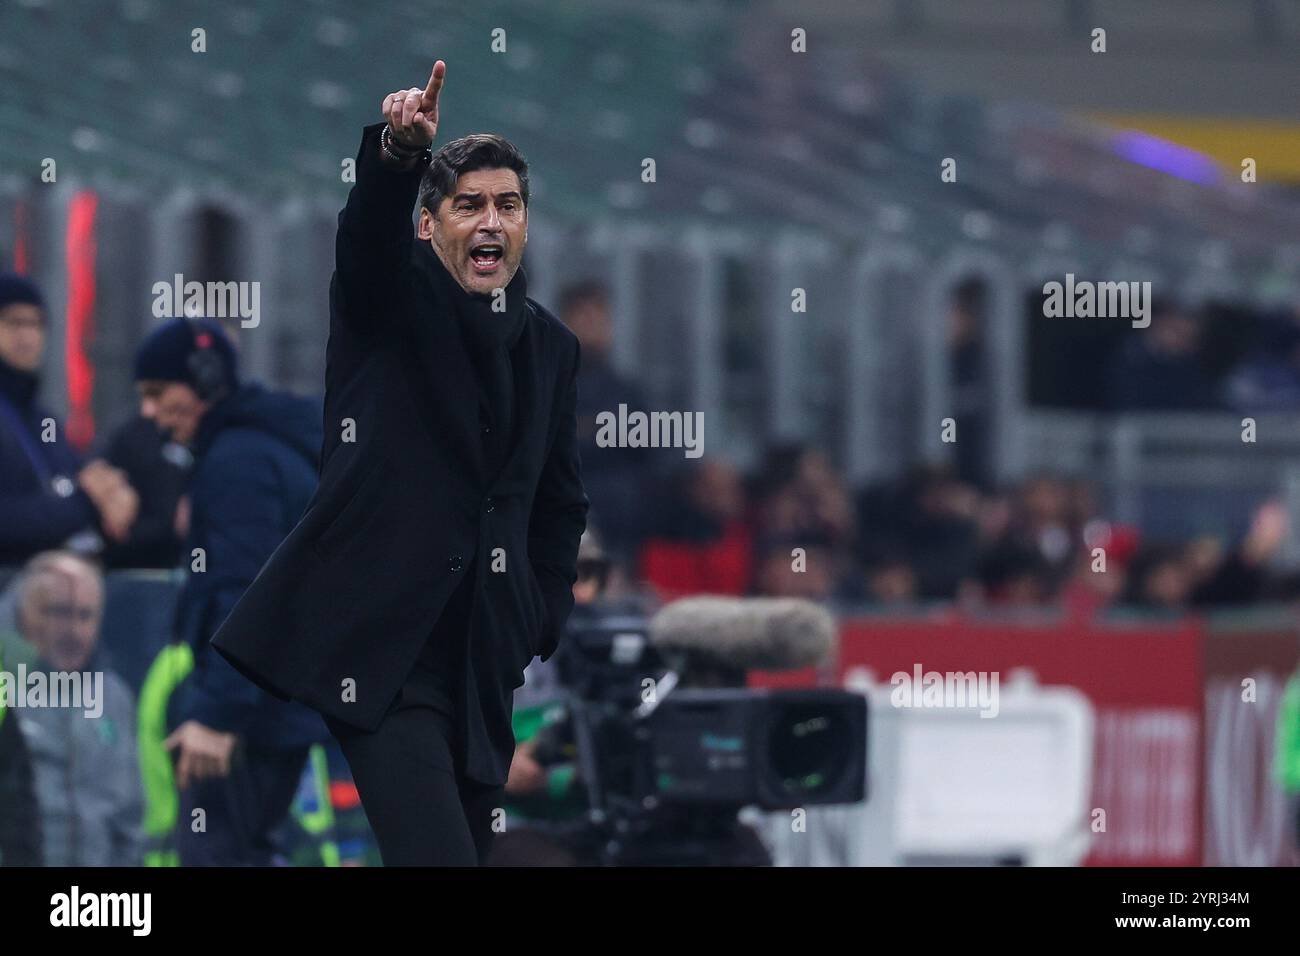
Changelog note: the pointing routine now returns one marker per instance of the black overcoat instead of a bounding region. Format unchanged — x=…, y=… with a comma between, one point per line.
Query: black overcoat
x=408, y=500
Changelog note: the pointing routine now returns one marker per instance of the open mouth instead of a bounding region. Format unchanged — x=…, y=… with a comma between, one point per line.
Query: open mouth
x=486, y=256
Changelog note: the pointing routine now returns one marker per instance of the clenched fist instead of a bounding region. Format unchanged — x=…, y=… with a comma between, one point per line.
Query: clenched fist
x=412, y=114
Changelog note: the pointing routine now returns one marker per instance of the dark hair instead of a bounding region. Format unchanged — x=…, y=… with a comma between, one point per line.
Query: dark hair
x=465, y=155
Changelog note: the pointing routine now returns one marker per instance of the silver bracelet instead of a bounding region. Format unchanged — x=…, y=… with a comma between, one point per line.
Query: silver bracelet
x=396, y=151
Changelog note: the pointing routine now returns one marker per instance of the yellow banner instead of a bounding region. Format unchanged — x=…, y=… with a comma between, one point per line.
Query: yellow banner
x=1274, y=146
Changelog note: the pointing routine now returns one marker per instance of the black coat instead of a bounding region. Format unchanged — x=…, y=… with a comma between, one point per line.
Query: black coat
x=408, y=500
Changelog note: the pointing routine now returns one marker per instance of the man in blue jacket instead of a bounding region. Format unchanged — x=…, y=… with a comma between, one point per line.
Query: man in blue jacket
x=49, y=496
x=239, y=751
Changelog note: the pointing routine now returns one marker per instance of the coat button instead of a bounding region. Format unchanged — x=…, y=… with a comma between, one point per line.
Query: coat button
x=489, y=505
x=456, y=562
x=486, y=429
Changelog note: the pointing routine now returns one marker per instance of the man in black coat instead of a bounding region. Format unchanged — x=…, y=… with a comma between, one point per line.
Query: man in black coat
x=438, y=555
x=239, y=751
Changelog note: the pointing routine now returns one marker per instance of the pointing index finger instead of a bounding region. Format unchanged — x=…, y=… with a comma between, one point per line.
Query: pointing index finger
x=435, y=84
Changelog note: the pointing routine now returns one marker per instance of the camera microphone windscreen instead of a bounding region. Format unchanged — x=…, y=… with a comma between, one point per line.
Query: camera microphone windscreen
x=747, y=633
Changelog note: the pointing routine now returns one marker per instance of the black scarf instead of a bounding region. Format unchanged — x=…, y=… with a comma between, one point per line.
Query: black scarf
x=489, y=338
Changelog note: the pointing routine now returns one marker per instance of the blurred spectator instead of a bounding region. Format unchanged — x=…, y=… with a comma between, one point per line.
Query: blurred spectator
x=700, y=542
x=1159, y=368
x=799, y=493
x=616, y=478
x=1081, y=507
x=20, y=818
x=255, y=470
x=1202, y=573
x=1013, y=575
x=1269, y=380
x=890, y=581
x=930, y=517
x=1043, y=521
x=157, y=469
x=932, y=537
x=14, y=648
x=1160, y=580
x=1099, y=580
x=86, y=771
x=1240, y=577
x=801, y=566
x=47, y=494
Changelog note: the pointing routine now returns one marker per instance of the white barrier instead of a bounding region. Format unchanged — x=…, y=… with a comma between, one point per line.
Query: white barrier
x=947, y=786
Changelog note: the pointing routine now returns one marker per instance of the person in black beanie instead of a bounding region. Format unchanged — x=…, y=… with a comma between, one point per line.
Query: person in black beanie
x=49, y=496
x=239, y=752
x=438, y=556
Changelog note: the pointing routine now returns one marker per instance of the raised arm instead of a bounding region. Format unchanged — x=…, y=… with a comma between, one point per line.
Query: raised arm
x=374, y=237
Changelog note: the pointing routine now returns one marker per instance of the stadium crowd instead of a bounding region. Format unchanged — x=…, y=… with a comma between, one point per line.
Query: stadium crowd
x=941, y=534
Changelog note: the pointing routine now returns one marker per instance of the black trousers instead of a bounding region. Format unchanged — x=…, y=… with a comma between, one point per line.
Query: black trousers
x=242, y=810
x=409, y=773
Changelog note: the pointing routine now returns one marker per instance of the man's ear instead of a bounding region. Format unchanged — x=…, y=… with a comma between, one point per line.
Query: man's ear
x=425, y=227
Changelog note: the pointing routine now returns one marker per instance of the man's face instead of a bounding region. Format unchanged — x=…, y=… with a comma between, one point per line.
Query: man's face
x=174, y=407
x=22, y=336
x=61, y=616
x=487, y=210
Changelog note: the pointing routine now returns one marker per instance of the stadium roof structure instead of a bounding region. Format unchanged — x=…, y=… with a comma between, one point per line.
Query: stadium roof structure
x=743, y=131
